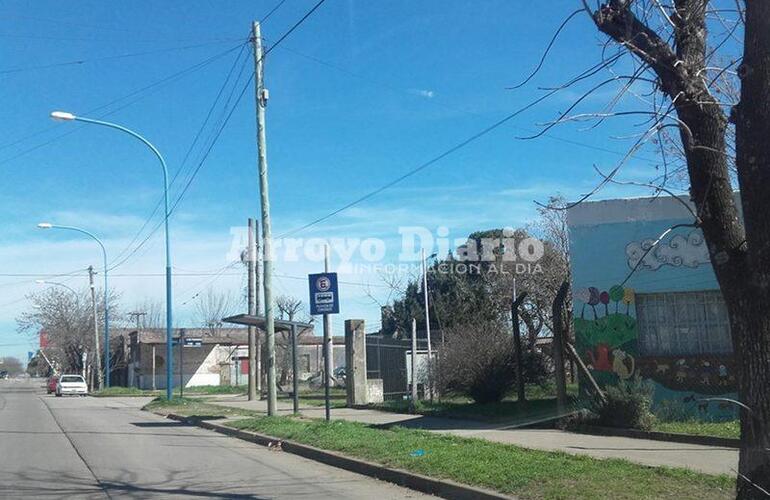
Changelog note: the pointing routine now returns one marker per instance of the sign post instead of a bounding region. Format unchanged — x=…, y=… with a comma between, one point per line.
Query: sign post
x=182, y=341
x=324, y=299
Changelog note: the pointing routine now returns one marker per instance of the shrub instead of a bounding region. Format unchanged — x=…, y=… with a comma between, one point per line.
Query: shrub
x=478, y=361
x=536, y=368
x=672, y=411
x=627, y=405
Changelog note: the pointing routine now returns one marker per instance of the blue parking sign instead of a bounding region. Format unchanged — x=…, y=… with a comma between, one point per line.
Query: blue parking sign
x=324, y=296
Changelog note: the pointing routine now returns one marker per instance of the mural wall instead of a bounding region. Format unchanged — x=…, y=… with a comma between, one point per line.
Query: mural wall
x=607, y=240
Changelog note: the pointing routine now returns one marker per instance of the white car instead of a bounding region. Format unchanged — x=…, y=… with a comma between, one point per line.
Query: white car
x=71, y=384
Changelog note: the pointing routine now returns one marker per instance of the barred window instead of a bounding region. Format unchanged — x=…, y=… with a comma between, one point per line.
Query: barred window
x=681, y=323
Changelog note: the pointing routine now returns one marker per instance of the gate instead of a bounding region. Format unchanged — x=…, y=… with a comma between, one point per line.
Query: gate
x=386, y=359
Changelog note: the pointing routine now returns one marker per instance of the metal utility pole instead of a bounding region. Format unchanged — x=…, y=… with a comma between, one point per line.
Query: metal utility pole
x=261, y=96
x=413, y=401
x=97, y=360
x=327, y=348
x=427, y=322
x=251, y=265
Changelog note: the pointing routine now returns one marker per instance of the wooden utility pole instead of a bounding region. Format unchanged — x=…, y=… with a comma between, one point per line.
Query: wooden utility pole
x=252, y=308
x=258, y=304
x=97, y=356
x=515, y=304
x=261, y=96
x=136, y=315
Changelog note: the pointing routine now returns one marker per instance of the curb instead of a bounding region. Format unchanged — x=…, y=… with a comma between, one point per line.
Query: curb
x=439, y=487
x=656, y=436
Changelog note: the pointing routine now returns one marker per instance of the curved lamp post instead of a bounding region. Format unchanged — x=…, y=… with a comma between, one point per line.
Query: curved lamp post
x=56, y=283
x=48, y=225
x=64, y=116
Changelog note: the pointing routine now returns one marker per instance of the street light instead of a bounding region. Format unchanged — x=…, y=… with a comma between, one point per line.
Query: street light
x=56, y=283
x=64, y=116
x=48, y=225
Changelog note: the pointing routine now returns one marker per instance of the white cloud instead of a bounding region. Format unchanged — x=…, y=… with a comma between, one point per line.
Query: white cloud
x=428, y=94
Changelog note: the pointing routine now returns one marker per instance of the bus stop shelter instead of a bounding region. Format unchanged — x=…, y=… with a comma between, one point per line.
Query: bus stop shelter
x=293, y=327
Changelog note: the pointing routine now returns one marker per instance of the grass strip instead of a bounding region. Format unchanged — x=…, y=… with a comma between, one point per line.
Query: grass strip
x=196, y=407
x=116, y=391
x=728, y=429
x=532, y=474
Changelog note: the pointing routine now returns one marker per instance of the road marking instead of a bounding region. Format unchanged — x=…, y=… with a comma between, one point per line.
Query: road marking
x=75, y=448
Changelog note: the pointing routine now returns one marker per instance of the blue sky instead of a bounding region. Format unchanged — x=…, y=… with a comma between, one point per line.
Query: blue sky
x=359, y=94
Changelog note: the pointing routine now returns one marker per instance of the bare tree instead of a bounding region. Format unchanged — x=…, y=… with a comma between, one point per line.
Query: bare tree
x=11, y=365
x=67, y=318
x=681, y=57
x=154, y=314
x=289, y=307
x=211, y=307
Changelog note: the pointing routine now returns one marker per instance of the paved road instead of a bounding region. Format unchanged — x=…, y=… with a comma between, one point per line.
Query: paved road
x=108, y=448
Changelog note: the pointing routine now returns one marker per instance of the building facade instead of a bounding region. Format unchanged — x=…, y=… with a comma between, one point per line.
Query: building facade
x=213, y=362
x=652, y=311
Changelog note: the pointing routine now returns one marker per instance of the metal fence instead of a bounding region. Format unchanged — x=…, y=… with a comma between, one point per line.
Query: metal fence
x=386, y=359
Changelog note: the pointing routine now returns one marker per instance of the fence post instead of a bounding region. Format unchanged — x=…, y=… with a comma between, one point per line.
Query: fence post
x=559, y=329
x=355, y=363
x=515, y=304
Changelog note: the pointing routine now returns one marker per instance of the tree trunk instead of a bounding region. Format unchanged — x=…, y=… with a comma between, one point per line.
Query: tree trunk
x=739, y=250
x=750, y=326
x=750, y=312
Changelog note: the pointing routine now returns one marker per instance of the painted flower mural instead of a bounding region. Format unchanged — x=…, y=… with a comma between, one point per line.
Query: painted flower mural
x=608, y=345
x=608, y=342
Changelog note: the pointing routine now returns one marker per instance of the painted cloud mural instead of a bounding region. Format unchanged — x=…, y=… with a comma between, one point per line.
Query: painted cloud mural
x=680, y=250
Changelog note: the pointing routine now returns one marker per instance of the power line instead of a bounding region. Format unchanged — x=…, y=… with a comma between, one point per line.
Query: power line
x=105, y=58
x=133, y=93
x=186, y=156
x=420, y=167
x=291, y=30
x=60, y=22
x=267, y=16
x=222, y=127
x=189, y=182
x=436, y=102
x=24, y=36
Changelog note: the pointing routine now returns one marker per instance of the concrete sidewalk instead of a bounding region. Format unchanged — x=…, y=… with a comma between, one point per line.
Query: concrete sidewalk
x=708, y=459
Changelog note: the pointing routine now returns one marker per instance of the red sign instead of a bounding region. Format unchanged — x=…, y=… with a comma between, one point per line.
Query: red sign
x=43, y=339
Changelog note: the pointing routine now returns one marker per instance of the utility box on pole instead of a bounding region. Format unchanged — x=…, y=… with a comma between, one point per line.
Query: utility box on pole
x=355, y=363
